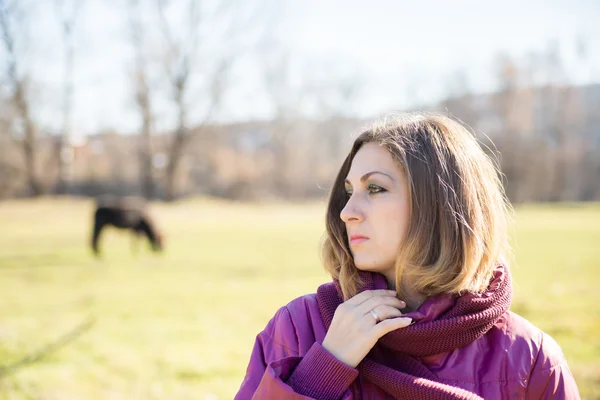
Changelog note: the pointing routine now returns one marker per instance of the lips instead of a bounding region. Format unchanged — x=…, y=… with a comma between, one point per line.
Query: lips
x=357, y=239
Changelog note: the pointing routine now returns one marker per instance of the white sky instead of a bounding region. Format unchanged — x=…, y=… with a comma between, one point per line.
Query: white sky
x=403, y=52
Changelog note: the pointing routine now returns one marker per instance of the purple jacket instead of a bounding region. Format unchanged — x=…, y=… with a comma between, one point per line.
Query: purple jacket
x=514, y=360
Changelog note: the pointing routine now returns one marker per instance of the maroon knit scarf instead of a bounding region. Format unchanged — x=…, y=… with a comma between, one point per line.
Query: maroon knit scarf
x=469, y=319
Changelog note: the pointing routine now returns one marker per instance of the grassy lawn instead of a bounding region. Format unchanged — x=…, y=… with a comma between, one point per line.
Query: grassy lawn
x=181, y=325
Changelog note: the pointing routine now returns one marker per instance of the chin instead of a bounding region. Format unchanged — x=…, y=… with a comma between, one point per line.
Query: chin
x=367, y=265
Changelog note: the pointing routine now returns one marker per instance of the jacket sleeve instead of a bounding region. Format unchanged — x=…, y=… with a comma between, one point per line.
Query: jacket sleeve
x=276, y=371
x=550, y=377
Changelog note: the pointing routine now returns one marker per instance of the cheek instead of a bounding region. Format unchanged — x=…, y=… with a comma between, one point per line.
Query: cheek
x=394, y=224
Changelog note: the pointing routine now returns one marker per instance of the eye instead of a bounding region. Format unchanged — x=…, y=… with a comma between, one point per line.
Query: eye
x=373, y=189
x=348, y=191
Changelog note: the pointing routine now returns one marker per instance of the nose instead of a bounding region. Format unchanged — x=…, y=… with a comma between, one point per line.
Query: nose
x=352, y=211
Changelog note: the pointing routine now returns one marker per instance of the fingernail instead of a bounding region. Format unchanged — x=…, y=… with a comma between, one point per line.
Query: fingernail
x=408, y=321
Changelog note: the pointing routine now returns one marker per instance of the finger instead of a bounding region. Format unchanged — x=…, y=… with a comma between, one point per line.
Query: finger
x=367, y=294
x=377, y=301
x=391, y=324
x=383, y=312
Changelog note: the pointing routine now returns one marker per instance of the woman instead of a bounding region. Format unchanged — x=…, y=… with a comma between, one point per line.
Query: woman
x=418, y=306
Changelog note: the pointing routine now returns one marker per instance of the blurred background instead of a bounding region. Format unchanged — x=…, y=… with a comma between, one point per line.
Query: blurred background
x=230, y=118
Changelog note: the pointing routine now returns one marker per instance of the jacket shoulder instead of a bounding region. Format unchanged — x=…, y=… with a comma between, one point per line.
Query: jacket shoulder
x=292, y=324
x=302, y=307
x=545, y=353
x=307, y=322
x=549, y=375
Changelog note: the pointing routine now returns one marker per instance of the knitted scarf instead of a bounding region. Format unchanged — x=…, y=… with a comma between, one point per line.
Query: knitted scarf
x=467, y=320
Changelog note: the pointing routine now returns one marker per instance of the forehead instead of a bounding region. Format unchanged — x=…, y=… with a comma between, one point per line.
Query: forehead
x=373, y=157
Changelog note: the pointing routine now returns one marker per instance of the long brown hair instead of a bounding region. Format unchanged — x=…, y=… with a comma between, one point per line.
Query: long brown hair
x=457, y=232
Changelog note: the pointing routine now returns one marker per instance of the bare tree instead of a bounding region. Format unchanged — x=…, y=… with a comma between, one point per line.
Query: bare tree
x=335, y=99
x=285, y=101
x=459, y=101
x=305, y=155
x=10, y=173
x=10, y=17
x=143, y=101
x=67, y=13
x=180, y=60
x=557, y=99
x=507, y=108
x=589, y=159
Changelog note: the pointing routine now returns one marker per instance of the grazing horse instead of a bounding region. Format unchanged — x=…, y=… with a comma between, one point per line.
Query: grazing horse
x=125, y=213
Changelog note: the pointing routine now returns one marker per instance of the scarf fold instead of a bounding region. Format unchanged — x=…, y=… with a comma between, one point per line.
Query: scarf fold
x=471, y=316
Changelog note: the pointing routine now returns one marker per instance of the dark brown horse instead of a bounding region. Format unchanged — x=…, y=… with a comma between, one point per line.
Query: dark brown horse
x=125, y=213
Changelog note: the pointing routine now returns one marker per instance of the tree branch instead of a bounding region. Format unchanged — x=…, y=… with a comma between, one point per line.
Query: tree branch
x=49, y=348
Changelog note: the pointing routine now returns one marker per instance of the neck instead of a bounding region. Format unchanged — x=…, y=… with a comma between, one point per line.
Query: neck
x=412, y=298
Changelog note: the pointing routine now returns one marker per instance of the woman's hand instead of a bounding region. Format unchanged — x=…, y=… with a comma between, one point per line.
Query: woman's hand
x=355, y=329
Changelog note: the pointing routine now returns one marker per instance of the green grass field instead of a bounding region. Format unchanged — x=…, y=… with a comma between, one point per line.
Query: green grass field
x=181, y=325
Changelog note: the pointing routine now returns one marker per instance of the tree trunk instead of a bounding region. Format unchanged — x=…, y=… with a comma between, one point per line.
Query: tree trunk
x=29, y=143
x=173, y=166
x=65, y=155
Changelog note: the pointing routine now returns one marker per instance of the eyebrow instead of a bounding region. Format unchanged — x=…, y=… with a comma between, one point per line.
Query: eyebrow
x=368, y=174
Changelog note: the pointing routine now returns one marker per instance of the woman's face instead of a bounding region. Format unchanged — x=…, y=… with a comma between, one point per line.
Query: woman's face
x=377, y=212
